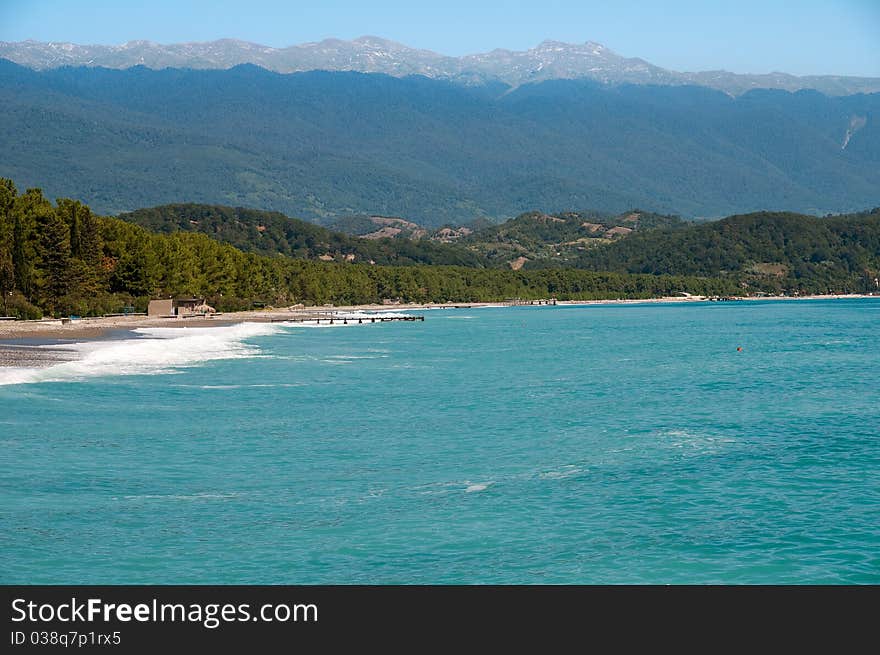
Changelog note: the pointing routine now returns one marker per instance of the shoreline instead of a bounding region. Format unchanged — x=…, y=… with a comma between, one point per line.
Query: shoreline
x=44, y=333
x=43, y=343
x=631, y=301
x=95, y=327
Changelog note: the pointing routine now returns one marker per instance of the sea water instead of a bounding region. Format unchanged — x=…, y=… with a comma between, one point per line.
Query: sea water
x=591, y=444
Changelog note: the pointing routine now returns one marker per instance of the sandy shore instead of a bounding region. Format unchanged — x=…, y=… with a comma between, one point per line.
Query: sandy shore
x=96, y=328
x=636, y=301
x=18, y=337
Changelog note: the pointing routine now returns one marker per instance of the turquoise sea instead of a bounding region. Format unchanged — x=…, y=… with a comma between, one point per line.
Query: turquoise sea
x=592, y=444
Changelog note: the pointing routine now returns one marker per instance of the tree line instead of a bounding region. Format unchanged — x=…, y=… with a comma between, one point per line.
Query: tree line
x=770, y=251
x=62, y=259
x=273, y=233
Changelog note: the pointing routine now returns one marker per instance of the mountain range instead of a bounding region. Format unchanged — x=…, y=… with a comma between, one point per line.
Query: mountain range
x=324, y=145
x=549, y=60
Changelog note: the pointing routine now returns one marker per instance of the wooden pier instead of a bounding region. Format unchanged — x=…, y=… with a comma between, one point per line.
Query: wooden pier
x=332, y=319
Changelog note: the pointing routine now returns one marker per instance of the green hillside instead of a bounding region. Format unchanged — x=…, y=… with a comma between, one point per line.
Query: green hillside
x=63, y=259
x=376, y=227
x=536, y=238
x=323, y=145
x=272, y=233
x=556, y=239
x=766, y=250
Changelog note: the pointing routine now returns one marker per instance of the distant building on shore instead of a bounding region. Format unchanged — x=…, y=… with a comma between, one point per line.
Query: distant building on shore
x=179, y=307
x=519, y=301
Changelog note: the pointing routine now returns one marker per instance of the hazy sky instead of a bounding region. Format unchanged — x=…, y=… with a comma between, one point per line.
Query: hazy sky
x=758, y=36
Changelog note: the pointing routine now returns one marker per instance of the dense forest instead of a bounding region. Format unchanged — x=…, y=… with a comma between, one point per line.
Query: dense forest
x=558, y=239
x=62, y=259
x=321, y=145
x=766, y=251
x=534, y=235
x=273, y=233
x=774, y=251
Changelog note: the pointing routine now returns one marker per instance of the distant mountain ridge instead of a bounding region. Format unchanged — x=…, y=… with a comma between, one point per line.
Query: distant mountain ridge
x=369, y=54
x=326, y=145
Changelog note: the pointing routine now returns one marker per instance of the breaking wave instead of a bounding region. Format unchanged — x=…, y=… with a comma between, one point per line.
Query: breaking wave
x=159, y=350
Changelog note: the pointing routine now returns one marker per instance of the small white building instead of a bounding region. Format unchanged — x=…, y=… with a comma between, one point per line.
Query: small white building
x=179, y=307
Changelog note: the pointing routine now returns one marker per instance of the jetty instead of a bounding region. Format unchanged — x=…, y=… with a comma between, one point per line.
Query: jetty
x=333, y=318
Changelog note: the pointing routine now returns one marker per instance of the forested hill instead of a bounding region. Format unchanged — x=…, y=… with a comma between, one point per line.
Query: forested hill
x=558, y=239
x=533, y=236
x=321, y=145
x=62, y=259
x=766, y=250
x=273, y=233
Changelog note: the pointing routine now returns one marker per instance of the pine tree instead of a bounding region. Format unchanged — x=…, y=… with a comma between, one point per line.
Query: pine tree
x=55, y=259
x=7, y=278
x=22, y=265
x=86, y=277
x=8, y=193
x=7, y=202
x=90, y=243
x=30, y=211
x=70, y=211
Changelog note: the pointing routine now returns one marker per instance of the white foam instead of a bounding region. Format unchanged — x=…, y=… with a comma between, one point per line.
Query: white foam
x=565, y=471
x=694, y=441
x=162, y=351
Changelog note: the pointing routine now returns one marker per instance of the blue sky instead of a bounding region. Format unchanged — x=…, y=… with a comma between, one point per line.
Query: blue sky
x=795, y=36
